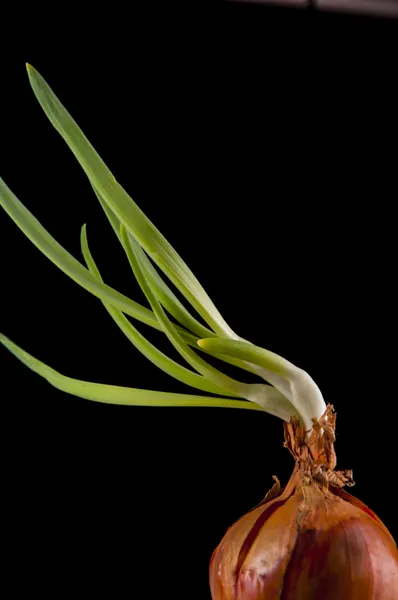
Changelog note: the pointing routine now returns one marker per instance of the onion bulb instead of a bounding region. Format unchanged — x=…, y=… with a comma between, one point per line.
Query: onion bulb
x=311, y=540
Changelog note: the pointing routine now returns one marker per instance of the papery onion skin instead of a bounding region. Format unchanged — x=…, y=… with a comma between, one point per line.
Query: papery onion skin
x=309, y=541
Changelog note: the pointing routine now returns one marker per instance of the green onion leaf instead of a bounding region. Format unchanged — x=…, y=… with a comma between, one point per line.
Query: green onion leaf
x=112, y=394
x=40, y=237
x=150, y=351
x=294, y=383
x=164, y=294
x=227, y=384
x=127, y=211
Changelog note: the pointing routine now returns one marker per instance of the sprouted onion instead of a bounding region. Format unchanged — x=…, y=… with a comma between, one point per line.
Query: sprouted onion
x=307, y=541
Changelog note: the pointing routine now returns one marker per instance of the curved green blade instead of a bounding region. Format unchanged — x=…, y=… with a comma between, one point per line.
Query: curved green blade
x=150, y=351
x=169, y=300
x=135, y=221
x=294, y=383
x=40, y=237
x=164, y=294
x=112, y=394
x=227, y=384
x=249, y=352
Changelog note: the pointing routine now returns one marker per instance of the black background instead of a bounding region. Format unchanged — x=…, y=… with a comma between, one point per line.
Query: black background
x=262, y=143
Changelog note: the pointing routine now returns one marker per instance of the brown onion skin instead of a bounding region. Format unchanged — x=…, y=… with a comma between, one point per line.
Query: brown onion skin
x=311, y=544
x=309, y=541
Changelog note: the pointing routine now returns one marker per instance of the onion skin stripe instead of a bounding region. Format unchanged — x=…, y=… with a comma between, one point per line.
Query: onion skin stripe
x=253, y=533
